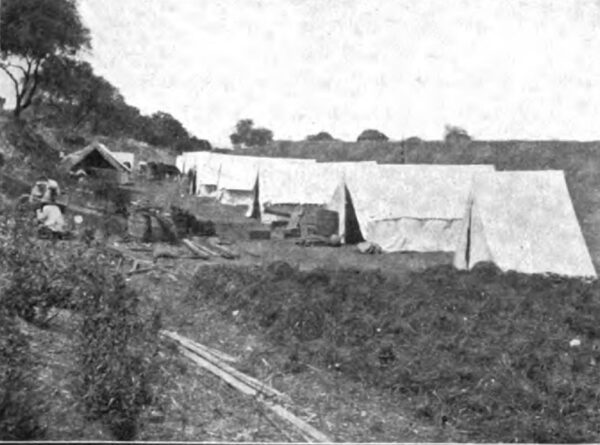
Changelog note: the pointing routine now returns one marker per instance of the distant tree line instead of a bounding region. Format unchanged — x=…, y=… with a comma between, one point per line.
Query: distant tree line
x=41, y=44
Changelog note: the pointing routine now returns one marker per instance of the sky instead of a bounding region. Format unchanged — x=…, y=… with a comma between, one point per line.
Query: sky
x=511, y=69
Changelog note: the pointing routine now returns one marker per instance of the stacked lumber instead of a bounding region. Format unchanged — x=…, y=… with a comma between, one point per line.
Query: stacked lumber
x=206, y=250
x=208, y=359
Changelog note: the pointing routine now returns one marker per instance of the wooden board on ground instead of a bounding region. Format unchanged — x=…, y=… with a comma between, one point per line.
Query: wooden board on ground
x=244, y=386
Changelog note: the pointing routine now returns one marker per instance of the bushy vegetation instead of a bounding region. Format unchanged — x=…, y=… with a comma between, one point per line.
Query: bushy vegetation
x=116, y=346
x=20, y=407
x=371, y=135
x=320, y=136
x=488, y=352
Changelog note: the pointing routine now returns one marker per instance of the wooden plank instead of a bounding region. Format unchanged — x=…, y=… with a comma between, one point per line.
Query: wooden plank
x=200, y=350
x=225, y=252
x=307, y=431
x=303, y=426
x=140, y=271
x=199, y=253
x=241, y=386
x=213, y=250
x=219, y=354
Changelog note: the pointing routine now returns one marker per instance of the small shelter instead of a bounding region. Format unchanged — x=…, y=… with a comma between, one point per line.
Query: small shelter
x=97, y=161
x=523, y=221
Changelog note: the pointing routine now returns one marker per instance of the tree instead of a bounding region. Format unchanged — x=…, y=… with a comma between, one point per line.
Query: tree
x=245, y=134
x=453, y=135
x=32, y=31
x=193, y=144
x=165, y=130
x=372, y=135
x=73, y=93
x=321, y=136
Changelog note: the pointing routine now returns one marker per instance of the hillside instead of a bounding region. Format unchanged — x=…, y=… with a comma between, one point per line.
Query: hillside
x=30, y=151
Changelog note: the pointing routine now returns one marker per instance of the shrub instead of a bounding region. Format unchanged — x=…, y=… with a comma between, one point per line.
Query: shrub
x=20, y=407
x=116, y=348
x=372, y=135
x=37, y=279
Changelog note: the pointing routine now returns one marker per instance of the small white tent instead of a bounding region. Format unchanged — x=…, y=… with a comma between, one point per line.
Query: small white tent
x=299, y=184
x=404, y=207
x=523, y=221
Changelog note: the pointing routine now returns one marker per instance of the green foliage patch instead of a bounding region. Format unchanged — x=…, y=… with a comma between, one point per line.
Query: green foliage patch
x=486, y=351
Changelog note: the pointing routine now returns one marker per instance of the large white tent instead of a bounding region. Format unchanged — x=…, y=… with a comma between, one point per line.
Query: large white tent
x=404, y=207
x=523, y=221
x=300, y=184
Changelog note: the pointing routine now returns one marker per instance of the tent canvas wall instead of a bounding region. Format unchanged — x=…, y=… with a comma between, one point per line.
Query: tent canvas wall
x=124, y=158
x=239, y=175
x=404, y=207
x=237, y=180
x=523, y=221
x=207, y=166
x=300, y=184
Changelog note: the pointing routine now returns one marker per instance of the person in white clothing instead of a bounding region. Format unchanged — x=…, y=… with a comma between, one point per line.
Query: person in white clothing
x=53, y=221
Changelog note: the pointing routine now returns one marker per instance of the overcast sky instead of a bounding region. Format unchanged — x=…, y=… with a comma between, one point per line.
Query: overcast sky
x=525, y=69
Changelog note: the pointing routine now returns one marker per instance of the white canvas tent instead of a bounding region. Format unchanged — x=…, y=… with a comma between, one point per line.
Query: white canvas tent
x=180, y=163
x=124, y=158
x=207, y=166
x=238, y=177
x=523, y=221
x=304, y=184
x=404, y=207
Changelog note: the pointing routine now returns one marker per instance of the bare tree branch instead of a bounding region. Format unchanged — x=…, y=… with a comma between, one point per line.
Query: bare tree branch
x=12, y=65
x=11, y=75
x=34, y=85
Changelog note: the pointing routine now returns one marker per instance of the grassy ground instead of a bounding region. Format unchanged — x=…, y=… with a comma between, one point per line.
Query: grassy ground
x=345, y=410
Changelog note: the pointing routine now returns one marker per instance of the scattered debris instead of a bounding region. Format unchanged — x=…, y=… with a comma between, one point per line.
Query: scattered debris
x=195, y=249
x=368, y=247
x=187, y=224
x=259, y=234
x=318, y=240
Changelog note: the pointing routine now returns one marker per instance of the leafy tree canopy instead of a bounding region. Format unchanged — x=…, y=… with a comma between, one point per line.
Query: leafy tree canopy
x=321, y=136
x=32, y=31
x=248, y=136
x=456, y=134
x=372, y=135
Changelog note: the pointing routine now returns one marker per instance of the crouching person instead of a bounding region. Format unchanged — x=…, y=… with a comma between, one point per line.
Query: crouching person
x=53, y=222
